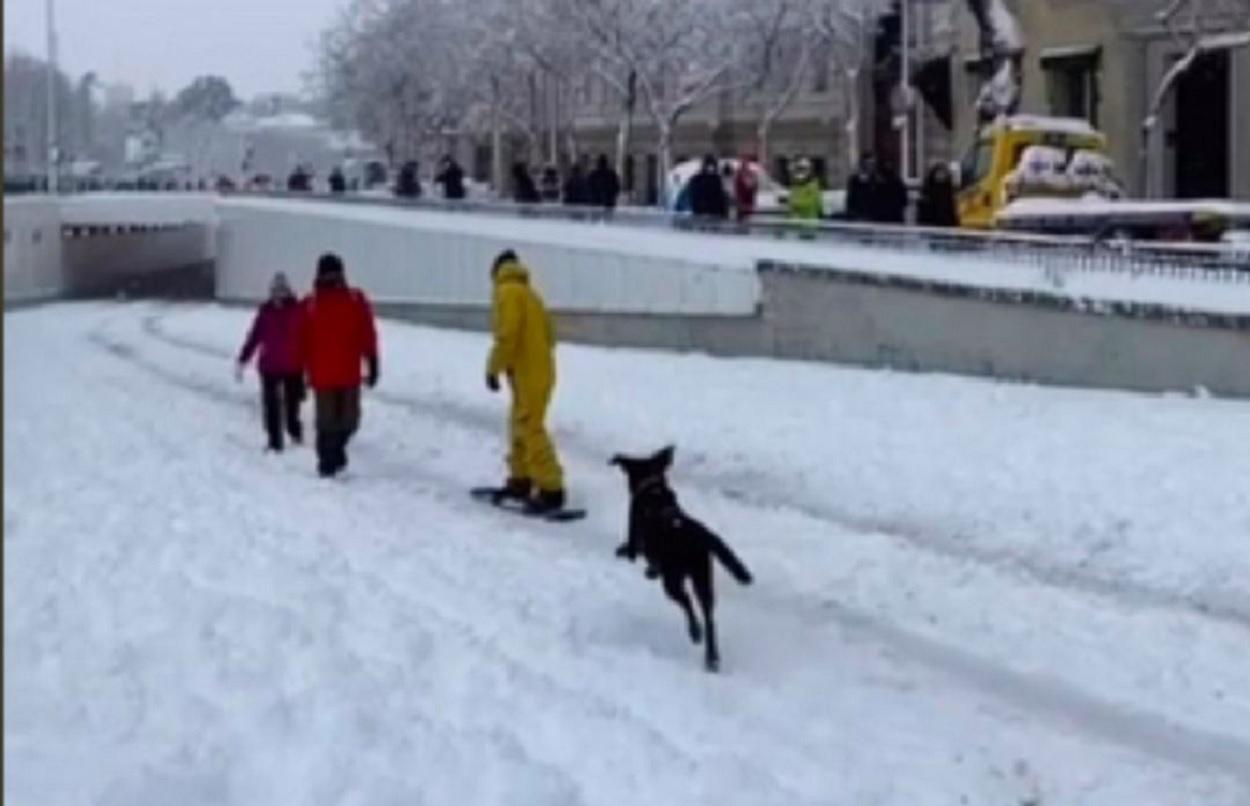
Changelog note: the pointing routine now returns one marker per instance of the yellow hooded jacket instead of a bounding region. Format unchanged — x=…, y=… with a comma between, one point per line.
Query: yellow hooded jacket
x=524, y=336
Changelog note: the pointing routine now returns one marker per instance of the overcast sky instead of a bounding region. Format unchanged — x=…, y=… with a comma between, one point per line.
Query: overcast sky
x=258, y=45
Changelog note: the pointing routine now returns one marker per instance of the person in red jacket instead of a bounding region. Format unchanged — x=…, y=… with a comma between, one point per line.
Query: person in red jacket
x=746, y=188
x=276, y=334
x=338, y=339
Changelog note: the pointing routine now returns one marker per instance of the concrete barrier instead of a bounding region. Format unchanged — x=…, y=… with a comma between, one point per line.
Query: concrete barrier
x=830, y=316
x=443, y=259
x=100, y=244
x=32, y=249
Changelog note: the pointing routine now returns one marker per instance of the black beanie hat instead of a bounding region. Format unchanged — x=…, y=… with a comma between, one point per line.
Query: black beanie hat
x=329, y=265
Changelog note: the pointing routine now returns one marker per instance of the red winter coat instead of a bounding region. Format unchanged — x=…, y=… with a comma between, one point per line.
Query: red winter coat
x=276, y=333
x=746, y=186
x=338, y=336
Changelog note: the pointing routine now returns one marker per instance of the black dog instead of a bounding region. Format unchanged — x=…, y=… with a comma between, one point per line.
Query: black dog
x=675, y=545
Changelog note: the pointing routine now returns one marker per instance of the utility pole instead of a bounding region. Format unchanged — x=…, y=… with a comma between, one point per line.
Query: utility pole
x=904, y=118
x=53, y=151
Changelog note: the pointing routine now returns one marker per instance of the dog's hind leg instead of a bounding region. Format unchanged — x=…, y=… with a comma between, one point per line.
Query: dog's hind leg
x=676, y=590
x=703, y=591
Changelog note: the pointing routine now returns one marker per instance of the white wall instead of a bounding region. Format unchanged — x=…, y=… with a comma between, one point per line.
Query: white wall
x=403, y=255
x=32, y=249
x=39, y=264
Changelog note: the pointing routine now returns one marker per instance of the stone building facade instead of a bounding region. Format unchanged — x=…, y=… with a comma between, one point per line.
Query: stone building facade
x=1097, y=59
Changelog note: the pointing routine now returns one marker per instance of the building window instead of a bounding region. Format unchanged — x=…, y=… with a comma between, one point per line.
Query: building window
x=1072, y=81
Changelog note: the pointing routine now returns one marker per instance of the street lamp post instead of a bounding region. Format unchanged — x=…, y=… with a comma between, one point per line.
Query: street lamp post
x=53, y=151
x=905, y=87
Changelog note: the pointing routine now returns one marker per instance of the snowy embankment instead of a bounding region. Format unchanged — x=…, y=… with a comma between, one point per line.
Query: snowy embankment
x=967, y=592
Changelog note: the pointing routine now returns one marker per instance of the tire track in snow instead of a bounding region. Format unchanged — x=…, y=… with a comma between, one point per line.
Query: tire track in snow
x=1152, y=734
x=1006, y=561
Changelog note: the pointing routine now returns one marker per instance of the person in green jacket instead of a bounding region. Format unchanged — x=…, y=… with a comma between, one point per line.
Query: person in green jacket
x=805, y=200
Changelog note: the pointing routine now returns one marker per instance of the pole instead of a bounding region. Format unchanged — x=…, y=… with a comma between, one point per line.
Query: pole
x=53, y=154
x=922, y=33
x=905, y=86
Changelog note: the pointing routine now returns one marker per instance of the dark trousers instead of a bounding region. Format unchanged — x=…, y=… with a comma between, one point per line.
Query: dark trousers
x=280, y=397
x=338, y=417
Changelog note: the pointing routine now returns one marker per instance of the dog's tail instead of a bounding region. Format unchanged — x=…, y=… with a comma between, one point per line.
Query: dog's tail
x=727, y=558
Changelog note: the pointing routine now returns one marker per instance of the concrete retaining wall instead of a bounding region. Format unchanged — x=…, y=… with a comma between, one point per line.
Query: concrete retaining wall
x=432, y=258
x=821, y=316
x=32, y=249
x=100, y=244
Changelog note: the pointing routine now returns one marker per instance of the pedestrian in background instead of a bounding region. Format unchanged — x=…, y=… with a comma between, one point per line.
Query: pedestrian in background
x=523, y=189
x=338, y=183
x=707, y=192
x=604, y=185
x=451, y=177
x=805, y=201
x=408, y=183
x=746, y=188
x=937, y=199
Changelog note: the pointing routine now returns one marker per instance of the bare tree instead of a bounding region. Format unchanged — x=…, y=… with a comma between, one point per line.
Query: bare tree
x=680, y=52
x=777, y=58
x=848, y=26
x=395, y=69
x=1196, y=28
x=608, y=26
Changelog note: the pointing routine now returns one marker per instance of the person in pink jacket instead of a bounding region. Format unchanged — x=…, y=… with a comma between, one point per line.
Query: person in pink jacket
x=275, y=334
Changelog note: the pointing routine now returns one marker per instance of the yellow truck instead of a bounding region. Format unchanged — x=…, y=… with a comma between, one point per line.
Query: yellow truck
x=1029, y=155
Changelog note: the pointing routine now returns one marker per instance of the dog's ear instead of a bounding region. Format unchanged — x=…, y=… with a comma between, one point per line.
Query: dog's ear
x=665, y=456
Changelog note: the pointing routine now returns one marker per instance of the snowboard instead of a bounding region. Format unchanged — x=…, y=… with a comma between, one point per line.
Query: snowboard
x=563, y=515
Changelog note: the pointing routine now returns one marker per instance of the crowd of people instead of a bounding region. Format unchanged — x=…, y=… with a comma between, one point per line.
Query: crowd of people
x=583, y=186
x=719, y=190
x=328, y=342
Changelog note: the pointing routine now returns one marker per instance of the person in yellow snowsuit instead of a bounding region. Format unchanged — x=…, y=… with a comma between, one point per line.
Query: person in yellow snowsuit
x=524, y=351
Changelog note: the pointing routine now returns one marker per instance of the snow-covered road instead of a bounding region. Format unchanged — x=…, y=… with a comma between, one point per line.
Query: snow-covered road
x=967, y=592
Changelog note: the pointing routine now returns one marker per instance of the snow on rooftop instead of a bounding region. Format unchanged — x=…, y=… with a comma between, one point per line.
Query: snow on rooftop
x=1048, y=123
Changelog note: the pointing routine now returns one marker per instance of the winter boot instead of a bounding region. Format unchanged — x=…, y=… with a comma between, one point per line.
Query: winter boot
x=514, y=489
x=545, y=501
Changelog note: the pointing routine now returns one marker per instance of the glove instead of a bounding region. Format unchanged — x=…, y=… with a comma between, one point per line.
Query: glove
x=374, y=371
x=238, y=372
x=492, y=382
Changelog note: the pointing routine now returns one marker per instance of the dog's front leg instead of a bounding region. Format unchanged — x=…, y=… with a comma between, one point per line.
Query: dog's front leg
x=633, y=538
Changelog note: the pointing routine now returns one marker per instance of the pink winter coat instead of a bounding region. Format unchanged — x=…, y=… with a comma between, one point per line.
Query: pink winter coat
x=276, y=333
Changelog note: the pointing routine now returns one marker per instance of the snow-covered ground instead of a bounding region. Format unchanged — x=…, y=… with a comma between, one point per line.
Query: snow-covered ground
x=967, y=592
